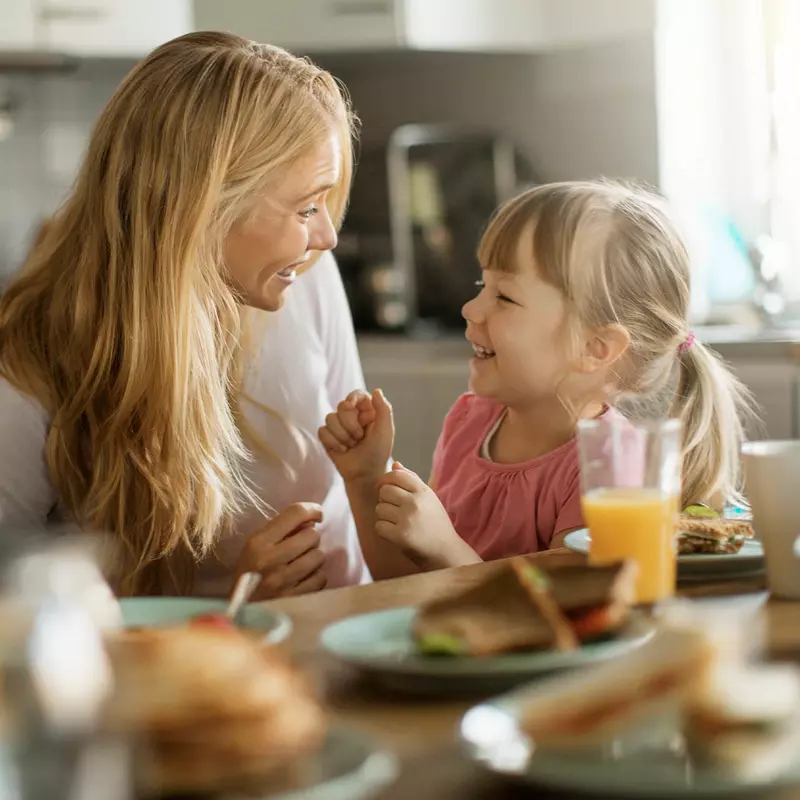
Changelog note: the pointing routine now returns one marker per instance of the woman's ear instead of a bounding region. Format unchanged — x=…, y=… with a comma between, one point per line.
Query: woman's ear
x=603, y=347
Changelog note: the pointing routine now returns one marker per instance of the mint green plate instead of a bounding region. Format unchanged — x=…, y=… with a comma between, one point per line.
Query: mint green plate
x=161, y=611
x=649, y=761
x=749, y=560
x=381, y=643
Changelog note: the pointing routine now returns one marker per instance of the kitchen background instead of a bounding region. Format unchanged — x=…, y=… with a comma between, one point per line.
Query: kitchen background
x=463, y=102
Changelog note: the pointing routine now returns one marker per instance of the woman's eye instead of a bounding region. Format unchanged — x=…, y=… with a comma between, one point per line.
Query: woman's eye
x=480, y=283
x=309, y=212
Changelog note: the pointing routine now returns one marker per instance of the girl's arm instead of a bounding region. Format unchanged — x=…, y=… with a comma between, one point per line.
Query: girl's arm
x=358, y=437
x=384, y=559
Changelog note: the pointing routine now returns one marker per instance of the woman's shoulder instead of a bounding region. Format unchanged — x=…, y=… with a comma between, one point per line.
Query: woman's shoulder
x=19, y=409
x=26, y=493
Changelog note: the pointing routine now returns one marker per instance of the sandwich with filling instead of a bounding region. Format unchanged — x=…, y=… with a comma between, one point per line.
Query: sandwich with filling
x=586, y=708
x=712, y=536
x=526, y=607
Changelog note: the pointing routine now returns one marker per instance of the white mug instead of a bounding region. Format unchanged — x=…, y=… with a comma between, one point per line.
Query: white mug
x=772, y=485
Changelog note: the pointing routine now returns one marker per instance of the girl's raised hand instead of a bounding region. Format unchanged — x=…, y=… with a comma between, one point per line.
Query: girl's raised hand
x=359, y=435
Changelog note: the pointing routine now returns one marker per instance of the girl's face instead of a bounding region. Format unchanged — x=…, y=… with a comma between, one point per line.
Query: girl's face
x=264, y=250
x=517, y=328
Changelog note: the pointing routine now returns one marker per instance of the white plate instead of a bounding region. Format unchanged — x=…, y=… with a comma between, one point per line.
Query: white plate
x=749, y=559
x=382, y=644
x=647, y=762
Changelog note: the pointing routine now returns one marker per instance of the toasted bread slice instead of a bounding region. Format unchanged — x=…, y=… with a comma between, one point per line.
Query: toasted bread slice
x=496, y=616
x=539, y=587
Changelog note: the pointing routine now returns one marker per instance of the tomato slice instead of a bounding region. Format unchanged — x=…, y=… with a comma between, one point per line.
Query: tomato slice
x=591, y=624
x=213, y=619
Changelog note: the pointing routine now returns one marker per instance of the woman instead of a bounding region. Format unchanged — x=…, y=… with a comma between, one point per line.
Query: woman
x=217, y=170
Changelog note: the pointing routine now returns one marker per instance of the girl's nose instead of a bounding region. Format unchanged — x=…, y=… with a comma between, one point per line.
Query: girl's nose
x=471, y=310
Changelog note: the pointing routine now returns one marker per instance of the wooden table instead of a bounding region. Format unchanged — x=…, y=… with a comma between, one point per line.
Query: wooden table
x=421, y=731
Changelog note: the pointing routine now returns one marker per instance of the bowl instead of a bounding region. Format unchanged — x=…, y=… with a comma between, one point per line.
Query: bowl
x=164, y=611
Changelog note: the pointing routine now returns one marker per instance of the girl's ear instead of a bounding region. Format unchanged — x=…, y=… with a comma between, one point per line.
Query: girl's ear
x=603, y=347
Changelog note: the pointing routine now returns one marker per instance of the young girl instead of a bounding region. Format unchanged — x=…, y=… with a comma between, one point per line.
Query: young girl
x=583, y=302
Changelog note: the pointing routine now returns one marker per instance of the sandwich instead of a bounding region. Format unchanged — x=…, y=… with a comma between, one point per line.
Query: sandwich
x=712, y=536
x=739, y=718
x=212, y=709
x=743, y=719
x=527, y=607
x=586, y=708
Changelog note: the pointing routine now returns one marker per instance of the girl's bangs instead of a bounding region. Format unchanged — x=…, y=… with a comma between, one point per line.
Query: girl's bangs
x=497, y=250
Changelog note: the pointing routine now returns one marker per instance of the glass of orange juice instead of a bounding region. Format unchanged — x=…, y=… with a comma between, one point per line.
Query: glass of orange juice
x=630, y=494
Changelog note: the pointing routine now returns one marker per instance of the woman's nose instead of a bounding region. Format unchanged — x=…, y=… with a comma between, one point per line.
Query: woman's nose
x=323, y=233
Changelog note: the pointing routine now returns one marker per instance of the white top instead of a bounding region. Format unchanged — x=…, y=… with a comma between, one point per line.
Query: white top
x=305, y=361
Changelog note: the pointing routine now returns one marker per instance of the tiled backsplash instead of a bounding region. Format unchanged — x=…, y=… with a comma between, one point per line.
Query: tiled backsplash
x=52, y=119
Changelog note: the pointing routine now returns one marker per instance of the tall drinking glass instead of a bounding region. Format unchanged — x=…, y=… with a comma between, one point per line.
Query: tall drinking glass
x=630, y=493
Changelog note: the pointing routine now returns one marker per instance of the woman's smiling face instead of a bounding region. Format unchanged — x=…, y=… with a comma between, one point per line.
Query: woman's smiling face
x=264, y=249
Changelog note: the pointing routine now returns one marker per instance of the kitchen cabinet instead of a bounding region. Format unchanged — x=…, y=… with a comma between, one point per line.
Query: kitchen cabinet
x=17, y=25
x=112, y=28
x=774, y=385
x=463, y=25
x=422, y=381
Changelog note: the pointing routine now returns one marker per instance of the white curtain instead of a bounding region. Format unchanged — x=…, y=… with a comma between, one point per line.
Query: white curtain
x=782, y=49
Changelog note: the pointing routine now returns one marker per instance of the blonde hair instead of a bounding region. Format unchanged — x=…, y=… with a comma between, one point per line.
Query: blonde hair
x=123, y=323
x=617, y=258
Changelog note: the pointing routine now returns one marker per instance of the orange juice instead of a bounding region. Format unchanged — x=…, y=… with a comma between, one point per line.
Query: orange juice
x=638, y=524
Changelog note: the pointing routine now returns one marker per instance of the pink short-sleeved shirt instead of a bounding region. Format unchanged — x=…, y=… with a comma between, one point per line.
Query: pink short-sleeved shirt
x=503, y=509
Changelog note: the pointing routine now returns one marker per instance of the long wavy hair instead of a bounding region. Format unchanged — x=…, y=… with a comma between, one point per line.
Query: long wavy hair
x=123, y=323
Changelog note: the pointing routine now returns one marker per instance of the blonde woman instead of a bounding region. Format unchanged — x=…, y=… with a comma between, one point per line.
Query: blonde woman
x=216, y=173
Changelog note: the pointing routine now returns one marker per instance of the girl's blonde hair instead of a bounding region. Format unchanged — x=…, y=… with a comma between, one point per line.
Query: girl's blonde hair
x=123, y=323
x=617, y=258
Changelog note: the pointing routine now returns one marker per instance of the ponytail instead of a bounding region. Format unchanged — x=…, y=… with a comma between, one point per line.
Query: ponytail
x=713, y=406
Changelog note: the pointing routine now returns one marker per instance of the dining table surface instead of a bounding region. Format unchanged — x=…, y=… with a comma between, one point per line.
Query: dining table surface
x=422, y=730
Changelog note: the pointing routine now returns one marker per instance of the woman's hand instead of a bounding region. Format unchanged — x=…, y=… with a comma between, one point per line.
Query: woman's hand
x=410, y=515
x=286, y=553
x=359, y=436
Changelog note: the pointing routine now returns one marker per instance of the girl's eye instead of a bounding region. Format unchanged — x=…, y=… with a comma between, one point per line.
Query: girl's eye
x=309, y=212
x=504, y=299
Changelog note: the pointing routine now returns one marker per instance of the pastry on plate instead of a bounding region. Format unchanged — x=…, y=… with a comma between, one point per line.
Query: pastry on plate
x=211, y=707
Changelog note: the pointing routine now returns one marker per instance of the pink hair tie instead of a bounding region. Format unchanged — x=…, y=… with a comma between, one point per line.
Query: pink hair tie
x=684, y=346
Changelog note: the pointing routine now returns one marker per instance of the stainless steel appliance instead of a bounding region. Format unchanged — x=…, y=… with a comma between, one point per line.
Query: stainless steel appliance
x=418, y=207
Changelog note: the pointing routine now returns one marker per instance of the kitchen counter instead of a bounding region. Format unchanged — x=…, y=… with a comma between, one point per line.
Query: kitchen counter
x=423, y=377
x=730, y=341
